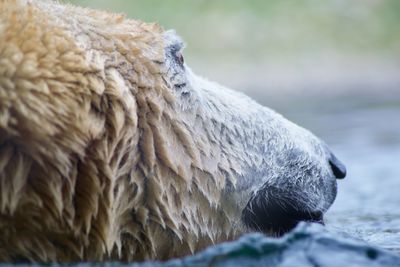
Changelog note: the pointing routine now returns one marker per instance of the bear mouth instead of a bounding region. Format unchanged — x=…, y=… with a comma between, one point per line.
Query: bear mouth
x=274, y=212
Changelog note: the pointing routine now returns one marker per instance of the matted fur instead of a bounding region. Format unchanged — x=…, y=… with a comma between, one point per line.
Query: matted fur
x=94, y=163
x=112, y=149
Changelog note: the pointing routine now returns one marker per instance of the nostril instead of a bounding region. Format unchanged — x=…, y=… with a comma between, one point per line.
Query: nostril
x=338, y=168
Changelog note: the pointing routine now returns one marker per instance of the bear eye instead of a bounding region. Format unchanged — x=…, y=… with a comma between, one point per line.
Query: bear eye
x=179, y=58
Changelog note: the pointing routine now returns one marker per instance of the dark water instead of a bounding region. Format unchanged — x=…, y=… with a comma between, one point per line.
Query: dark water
x=309, y=245
x=363, y=129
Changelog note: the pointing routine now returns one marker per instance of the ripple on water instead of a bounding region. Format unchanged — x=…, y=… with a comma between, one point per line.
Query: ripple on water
x=309, y=245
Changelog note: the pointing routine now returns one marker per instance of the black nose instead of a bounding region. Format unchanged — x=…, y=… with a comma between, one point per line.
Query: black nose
x=338, y=168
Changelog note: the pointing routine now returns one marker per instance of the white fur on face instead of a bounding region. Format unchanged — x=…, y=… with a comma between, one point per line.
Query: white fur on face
x=264, y=148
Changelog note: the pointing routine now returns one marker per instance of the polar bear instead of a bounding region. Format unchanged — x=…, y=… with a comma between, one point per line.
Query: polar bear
x=111, y=148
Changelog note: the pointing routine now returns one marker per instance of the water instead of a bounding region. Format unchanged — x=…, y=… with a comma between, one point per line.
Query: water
x=363, y=130
x=308, y=245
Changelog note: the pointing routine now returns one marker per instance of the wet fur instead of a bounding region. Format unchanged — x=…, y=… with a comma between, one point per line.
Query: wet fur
x=104, y=157
x=94, y=162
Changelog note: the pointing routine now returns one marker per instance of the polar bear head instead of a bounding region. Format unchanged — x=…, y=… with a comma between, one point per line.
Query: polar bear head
x=280, y=174
x=111, y=148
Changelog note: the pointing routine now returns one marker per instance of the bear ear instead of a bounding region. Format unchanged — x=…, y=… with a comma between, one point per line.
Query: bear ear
x=175, y=69
x=173, y=45
x=172, y=41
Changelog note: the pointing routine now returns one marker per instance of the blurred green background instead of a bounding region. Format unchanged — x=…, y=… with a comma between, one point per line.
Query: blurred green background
x=295, y=45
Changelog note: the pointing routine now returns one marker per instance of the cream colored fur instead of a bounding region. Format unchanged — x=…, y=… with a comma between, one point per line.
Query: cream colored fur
x=94, y=163
x=103, y=158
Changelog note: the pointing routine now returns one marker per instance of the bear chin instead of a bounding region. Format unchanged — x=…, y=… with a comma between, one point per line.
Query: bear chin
x=275, y=212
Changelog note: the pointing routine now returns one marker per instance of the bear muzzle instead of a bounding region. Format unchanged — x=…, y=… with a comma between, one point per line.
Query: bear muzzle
x=280, y=204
